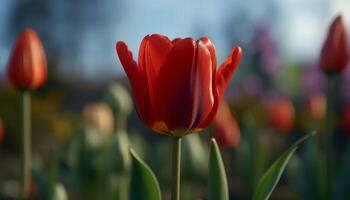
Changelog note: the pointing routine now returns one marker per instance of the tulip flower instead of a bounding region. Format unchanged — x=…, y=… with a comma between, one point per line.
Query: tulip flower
x=27, y=70
x=176, y=86
x=226, y=128
x=335, y=53
x=281, y=115
x=175, y=83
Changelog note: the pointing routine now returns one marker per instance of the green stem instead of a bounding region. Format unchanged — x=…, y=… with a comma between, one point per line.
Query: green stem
x=328, y=136
x=176, y=168
x=26, y=131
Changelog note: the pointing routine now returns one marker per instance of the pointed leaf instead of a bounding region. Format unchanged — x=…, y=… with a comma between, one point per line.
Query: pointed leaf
x=144, y=184
x=217, y=181
x=271, y=177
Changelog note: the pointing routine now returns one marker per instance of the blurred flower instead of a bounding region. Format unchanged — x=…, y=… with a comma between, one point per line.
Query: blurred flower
x=175, y=83
x=281, y=114
x=346, y=120
x=226, y=128
x=61, y=127
x=316, y=105
x=2, y=131
x=335, y=52
x=266, y=51
x=100, y=116
x=27, y=68
x=252, y=85
x=311, y=80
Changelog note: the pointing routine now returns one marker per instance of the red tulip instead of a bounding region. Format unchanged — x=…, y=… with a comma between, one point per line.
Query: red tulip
x=226, y=128
x=335, y=52
x=281, y=115
x=175, y=83
x=27, y=68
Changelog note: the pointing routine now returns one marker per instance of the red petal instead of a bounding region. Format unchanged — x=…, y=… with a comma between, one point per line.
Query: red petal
x=174, y=41
x=201, y=85
x=211, y=49
x=226, y=127
x=39, y=63
x=152, y=54
x=227, y=69
x=174, y=97
x=215, y=106
x=135, y=78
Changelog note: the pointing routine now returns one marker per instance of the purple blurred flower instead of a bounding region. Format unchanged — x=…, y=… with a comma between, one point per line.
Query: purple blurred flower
x=311, y=80
x=266, y=51
x=252, y=85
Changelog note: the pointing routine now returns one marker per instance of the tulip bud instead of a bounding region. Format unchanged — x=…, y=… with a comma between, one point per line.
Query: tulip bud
x=226, y=128
x=281, y=115
x=27, y=68
x=335, y=52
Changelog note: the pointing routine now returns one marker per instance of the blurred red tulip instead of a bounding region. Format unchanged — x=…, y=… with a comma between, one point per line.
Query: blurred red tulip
x=27, y=68
x=2, y=131
x=316, y=106
x=281, y=115
x=346, y=120
x=226, y=128
x=175, y=83
x=335, y=52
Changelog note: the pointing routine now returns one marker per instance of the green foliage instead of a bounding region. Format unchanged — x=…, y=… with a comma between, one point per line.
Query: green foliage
x=217, y=181
x=271, y=177
x=144, y=184
x=342, y=181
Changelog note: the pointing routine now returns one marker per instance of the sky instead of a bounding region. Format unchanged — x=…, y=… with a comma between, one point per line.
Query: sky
x=299, y=27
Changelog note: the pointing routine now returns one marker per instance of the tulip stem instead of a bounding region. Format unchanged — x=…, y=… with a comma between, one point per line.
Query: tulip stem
x=26, y=131
x=328, y=136
x=176, y=168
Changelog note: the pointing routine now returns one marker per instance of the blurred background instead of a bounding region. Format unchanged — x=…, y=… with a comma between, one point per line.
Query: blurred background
x=276, y=95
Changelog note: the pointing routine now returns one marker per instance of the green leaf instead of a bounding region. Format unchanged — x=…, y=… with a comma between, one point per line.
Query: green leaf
x=217, y=181
x=144, y=184
x=271, y=177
